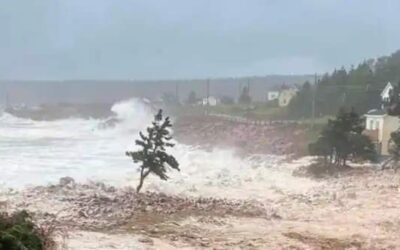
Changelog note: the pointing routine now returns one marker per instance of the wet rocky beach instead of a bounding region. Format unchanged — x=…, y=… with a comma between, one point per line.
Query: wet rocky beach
x=249, y=137
x=358, y=210
x=96, y=206
x=261, y=203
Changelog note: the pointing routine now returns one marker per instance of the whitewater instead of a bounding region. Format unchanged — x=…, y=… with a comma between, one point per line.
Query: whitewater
x=40, y=152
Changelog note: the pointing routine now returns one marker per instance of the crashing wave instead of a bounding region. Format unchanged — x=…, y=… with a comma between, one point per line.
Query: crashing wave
x=40, y=152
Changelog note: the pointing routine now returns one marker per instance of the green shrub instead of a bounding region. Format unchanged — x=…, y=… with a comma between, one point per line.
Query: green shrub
x=18, y=232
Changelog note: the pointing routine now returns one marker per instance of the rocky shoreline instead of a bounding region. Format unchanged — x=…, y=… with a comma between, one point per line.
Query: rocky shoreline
x=96, y=206
x=358, y=210
x=247, y=138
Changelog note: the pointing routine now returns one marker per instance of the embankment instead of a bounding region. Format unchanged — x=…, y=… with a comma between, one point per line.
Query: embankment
x=250, y=138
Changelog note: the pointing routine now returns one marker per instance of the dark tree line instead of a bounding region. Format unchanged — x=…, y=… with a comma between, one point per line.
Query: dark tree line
x=342, y=139
x=358, y=87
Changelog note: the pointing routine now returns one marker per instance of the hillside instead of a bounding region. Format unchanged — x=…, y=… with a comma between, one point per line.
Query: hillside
x=358, y=87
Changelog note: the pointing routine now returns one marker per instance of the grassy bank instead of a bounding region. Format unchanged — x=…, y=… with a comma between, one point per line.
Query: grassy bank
x=257, y=111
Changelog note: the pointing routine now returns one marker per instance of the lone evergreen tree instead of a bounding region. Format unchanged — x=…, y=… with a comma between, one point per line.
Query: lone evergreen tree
x=342, y=138
x=153, y=156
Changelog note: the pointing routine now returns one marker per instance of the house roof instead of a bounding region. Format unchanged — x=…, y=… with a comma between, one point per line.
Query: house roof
x=389, y=86
x=376, y=112
x=210, y=98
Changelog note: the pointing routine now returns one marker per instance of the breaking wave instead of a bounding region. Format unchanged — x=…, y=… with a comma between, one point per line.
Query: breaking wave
x=40, y=152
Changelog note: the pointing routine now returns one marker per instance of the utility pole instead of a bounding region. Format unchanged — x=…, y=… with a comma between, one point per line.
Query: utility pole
x=313, y=100
x=7, y=101
x=248, y=92
x=177, y=93
x=344, y=98
x=208, y=96
x=239, y=90
x=7, y=104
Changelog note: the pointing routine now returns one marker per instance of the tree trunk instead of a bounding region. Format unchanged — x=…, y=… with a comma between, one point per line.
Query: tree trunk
x=386, y=163
x=140, y=184
x=142, y=177
x=337, y=160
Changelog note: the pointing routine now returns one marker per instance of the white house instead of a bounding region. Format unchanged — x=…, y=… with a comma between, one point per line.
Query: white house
x=283, y=94
x=272, y=95
x=379, y=125
x=212, y=101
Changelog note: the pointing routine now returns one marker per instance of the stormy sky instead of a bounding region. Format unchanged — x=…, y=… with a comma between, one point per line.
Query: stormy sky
x=171, y=39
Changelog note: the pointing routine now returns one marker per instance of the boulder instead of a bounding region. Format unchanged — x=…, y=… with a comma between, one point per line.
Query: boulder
x=67, y=182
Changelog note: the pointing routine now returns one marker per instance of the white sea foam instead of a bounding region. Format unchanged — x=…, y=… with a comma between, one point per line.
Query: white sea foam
x=35, y=153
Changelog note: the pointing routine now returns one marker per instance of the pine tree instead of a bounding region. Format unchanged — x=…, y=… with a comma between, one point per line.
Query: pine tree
x=153, y=156
x=342, y=138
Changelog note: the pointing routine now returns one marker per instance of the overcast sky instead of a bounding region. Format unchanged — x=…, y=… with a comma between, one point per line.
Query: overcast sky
x=158, y=39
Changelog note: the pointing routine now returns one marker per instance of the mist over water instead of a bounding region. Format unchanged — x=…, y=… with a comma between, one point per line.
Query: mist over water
x=40, y=152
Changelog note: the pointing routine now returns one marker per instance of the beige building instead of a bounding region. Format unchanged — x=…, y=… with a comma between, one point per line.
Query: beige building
x=286, y=96
x=379, y=126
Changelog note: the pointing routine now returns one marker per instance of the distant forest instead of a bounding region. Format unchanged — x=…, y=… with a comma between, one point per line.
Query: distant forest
x=358, y=87
x=108, y=91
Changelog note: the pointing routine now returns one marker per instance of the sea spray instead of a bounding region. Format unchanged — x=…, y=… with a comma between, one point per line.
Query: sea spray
x=40, y=152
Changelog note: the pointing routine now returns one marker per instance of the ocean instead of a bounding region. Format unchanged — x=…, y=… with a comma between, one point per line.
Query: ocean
x=40, y=152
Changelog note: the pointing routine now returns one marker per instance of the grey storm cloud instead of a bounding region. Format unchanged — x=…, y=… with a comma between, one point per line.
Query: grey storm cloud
x=156, y=39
